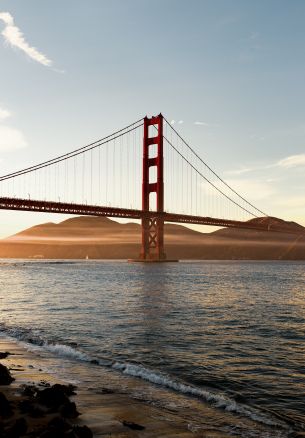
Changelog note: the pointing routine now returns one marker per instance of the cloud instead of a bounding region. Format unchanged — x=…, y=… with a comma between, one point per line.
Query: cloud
x=13, y=36
x=239, y=171
x=11, y=138
x=292, y=161
x=4, y=114
x=202, y=124
x=206, y=125
x=173, y=122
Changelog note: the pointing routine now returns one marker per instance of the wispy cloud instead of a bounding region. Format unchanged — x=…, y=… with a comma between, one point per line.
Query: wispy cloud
x=4, y=114
x=201, y=124
x=173, y=122
x=292, y=161
x=13, y=36
x=206, y=124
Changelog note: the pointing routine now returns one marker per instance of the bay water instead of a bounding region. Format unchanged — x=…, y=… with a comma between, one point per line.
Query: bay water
x=221, y=344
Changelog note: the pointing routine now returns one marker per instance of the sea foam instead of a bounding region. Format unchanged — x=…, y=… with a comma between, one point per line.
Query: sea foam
x=217, y=399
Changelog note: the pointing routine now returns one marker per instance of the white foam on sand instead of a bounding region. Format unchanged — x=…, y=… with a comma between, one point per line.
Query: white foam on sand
x=218, y=400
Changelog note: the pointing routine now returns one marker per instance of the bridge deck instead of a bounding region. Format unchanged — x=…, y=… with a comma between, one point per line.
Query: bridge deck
x=95, y=210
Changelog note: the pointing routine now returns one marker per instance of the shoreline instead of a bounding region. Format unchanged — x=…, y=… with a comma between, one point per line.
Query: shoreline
x=107, y=413
x=8, y=260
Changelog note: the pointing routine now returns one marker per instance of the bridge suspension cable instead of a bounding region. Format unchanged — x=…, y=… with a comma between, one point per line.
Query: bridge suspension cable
x=215, y=174
x=188, y=155
x=104, y=172
x=107, y=172
x=78, y=151
x=206, y=179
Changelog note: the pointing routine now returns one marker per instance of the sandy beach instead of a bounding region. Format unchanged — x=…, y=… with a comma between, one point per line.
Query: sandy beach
x=106, y=414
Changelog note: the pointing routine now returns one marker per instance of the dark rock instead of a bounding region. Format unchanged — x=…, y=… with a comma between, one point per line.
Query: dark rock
x=53, y=397
x=5, y=376
x=70, y=434
x=94, y=362
x=44, y=383
x=40, y=433
x=25, y=406
x=3, y=355
x=68, y=390
x=132, y=425
x=68, y=410
x=59, y=424
x=106, y=391
x=18, y=429
x=32, y=408
x=29, y=390
x=49, y=433
x=73, y=344
x=5, y=407
x=83, y=432
x=36, y=412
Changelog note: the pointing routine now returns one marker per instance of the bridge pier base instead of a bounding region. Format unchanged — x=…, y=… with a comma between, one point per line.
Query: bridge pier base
x=152, y=241
x=152, y=261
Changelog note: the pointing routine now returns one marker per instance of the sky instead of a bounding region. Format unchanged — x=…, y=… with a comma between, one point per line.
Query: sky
x=232, y=72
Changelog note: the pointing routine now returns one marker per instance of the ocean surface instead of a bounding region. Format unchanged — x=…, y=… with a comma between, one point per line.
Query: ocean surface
x=222, y=344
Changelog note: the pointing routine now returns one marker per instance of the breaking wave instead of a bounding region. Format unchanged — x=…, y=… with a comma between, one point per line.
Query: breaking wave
x=216, y=399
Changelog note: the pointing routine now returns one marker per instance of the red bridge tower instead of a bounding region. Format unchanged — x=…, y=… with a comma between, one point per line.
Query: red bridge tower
x=152, y=225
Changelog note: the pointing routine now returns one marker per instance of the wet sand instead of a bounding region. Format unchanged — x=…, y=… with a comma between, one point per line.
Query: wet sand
x=105, y=413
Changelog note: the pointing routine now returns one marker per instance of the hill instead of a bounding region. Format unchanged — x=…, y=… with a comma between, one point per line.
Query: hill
x=103, y=238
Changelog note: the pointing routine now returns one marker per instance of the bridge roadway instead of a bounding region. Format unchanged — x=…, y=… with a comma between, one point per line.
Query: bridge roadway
x=95, y=210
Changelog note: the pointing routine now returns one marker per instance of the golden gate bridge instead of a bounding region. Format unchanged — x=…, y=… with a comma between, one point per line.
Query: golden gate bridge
x=106, y=178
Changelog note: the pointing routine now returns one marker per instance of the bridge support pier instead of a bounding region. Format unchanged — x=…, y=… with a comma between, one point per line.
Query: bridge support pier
x=152, y=225
x=152, y=239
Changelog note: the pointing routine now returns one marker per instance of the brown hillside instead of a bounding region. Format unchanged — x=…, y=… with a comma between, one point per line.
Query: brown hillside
x=103, y=238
